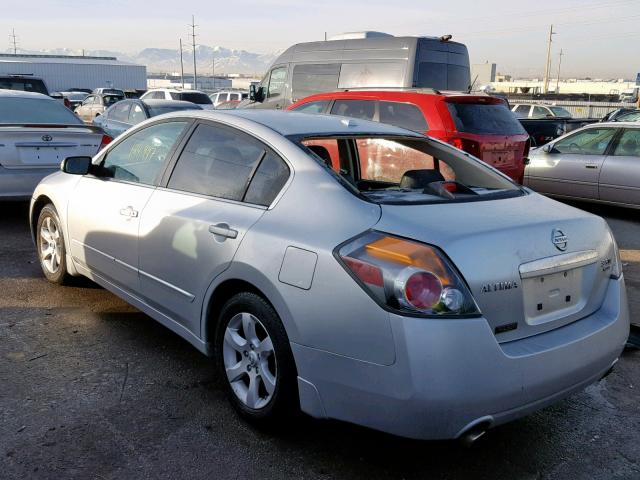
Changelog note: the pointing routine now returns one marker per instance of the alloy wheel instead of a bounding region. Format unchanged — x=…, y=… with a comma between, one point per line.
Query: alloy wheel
x=50, y=254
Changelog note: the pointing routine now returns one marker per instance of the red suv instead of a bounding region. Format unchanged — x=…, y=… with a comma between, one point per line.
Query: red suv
x=478, y=124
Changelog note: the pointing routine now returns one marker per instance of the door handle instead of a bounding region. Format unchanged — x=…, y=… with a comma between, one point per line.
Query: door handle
x=223, y=230
x=128, y=212
x=594, y=167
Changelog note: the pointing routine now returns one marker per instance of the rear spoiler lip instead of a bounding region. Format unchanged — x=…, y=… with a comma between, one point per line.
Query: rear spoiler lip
x=93, y=128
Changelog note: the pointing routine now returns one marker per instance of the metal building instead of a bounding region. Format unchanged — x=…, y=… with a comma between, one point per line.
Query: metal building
x=62, y=72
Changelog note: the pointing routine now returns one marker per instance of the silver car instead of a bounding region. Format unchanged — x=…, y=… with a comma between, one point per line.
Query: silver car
x=600, y=163
x=350, y=269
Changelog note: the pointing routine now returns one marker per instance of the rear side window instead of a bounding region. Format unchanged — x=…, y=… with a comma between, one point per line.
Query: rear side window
x=222, y=97
x=267, y=181
x=364, y=109
x=311, y=79
x=403, y=115
x=313, y=107
x=523, y=110
x=35, y=110
x=493, y=119
x=218, y=162
x=629, y=144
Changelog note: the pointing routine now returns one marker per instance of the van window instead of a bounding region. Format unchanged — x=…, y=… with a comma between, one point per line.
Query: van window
x=403, y=115
x=276, y=82
x=364, y=109
x=310, y=79
x=443, y=76
x=353, y=75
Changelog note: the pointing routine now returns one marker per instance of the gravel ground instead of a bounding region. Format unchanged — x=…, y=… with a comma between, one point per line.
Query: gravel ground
x=92, y=388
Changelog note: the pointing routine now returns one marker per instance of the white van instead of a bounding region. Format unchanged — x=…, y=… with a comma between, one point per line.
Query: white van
x=362, y=60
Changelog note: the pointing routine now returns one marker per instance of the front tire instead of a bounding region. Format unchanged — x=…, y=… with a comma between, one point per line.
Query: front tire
x=52, y=251
x=254, y=358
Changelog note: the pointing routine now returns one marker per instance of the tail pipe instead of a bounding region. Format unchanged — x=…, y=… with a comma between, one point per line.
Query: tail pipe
x=476, y=429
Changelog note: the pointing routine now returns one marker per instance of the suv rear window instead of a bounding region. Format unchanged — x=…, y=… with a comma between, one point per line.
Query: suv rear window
x=193, y=97
x=485, y=119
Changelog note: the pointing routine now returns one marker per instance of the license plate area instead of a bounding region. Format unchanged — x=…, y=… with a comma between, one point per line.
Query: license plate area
x=552, y=296
x=41, y=156
x=499, y=159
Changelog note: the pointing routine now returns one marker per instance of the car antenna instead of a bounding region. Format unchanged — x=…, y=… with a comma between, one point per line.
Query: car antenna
x=472, y=84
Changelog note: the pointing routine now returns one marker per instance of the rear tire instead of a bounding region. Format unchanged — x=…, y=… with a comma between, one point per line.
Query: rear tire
x=254, y=359
x=52, y=251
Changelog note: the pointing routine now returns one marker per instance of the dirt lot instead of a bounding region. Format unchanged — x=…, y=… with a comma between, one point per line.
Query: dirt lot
x=91, y=388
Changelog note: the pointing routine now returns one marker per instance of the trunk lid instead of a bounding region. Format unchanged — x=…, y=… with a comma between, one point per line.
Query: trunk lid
x=531, y=263
x=45, y=146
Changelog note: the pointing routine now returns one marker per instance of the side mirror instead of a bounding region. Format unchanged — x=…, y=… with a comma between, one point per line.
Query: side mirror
x=526, y=161
x=256, y=94
x=252, y=92
x=547, y=148
x=76, y=165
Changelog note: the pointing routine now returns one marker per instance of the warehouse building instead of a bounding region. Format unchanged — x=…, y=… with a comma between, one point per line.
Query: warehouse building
x=63, y=72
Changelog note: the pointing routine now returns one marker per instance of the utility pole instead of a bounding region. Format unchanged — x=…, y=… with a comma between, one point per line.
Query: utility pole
x=13, y=38
x=181, y=66
x=193, y=36
x=325, y=36
x=213, y=69
x=548, y=65
x=558, y=79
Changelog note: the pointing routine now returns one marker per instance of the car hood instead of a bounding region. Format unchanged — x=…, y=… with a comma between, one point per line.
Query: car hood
x=490, y=242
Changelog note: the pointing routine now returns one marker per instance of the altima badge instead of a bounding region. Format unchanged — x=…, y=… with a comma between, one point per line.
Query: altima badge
x=559, y=239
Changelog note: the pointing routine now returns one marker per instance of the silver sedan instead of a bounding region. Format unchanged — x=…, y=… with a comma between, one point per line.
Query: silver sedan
x=350, y=269
x=600, y=163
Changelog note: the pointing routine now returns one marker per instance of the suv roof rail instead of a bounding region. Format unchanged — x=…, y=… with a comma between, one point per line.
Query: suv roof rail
x=393, y=89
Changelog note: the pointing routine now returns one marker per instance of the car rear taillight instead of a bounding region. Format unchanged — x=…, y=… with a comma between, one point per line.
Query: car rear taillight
x=469, y=146
x=406, y=276
x=106, y=140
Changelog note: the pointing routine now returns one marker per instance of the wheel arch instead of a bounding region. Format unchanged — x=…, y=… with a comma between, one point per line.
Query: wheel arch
x=42, y=201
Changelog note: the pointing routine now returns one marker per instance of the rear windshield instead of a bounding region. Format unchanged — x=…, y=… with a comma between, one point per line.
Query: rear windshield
x=160, y=110
x=443, y=76
x=35, y=110
x=485, y=119
x=113, y=91
x=111, y=99
x=23, y=84
x=407, y=170
x=193, y=97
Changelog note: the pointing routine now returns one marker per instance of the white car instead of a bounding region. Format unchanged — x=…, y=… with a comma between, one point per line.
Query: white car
x=193, y=96
x=37, y=132
x=528, y=110
x=228, y=96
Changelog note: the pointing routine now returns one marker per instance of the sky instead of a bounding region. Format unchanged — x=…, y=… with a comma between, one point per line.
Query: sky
x=598, y=38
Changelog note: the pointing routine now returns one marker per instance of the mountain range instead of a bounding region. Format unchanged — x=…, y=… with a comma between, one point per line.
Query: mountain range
x=166, y=60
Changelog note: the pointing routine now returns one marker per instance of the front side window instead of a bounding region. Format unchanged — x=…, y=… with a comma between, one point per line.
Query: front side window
x=560, y=112
x=276, y=82
x=141, y=157
x=629, y=144
x=592, y=141
x=314, y=78
x=523, y=110
x=403, y=115
x=218, y=162
x=313, y=107
x=364, y=109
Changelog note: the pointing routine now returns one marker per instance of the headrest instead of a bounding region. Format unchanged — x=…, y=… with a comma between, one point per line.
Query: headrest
x=420, y=178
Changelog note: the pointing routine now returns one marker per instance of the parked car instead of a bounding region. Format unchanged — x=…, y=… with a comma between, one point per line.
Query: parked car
x=600, y=163
x=75, y=98
x=632, y=116
x=77, y=89
x=23, y=83
x=362, y=59
x=478, y=124
x=428, y=296
x=193, y=96
x=125, y=114
x=134, y=93
x=228, y=96
x=61, y=98
x=527, y=110
x=36, y=134
x=544, y=130
x=230, y=105
x=95, y=105
x=109, y=91
x=615, y=115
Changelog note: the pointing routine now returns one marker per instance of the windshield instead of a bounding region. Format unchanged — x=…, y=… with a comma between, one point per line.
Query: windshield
x=154, y=111
x=485, y=118
x=407, y=170
x=35, y=110
x=560, y=112
x=193, y=97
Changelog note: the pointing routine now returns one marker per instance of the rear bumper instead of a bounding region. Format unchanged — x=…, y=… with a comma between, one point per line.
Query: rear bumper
x=19, y=184
x=452, y=374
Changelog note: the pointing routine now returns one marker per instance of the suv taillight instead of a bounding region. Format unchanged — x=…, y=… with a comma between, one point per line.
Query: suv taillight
x=527, y=148
x=469, y=146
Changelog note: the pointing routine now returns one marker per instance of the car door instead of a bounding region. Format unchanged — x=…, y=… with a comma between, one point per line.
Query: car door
x=84, y=111
x=221, y=184
x=105, y=207
x=571, y=165
x=620, y=175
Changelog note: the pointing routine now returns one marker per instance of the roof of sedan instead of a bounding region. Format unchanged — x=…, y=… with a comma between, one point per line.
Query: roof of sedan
x=294, y=123
x=22, y=94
